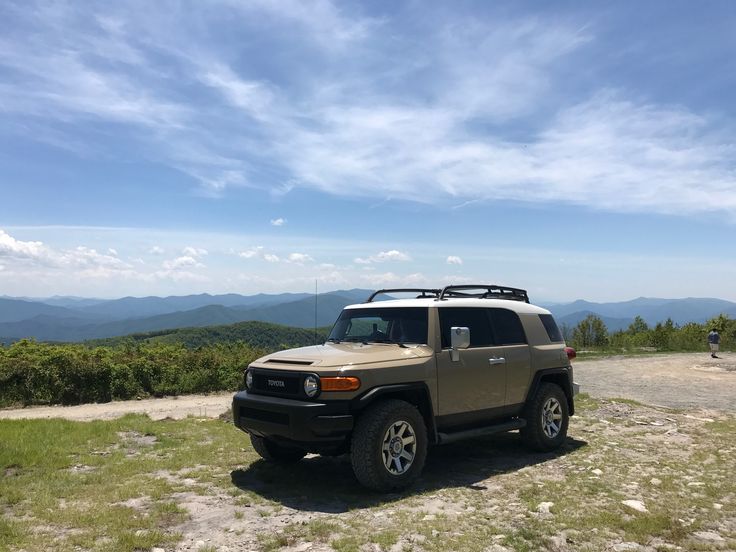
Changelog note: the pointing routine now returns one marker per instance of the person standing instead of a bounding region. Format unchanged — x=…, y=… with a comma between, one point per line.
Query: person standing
x=714, y=340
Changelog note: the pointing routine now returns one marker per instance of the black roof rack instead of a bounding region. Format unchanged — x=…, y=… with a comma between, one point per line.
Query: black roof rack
x=425, y=293
x=483, y=291
x=490, y=292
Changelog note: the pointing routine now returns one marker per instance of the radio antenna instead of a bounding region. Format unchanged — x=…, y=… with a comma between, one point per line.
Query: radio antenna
x=315, y=311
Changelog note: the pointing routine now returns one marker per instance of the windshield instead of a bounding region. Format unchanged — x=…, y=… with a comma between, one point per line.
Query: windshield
x=389, y=325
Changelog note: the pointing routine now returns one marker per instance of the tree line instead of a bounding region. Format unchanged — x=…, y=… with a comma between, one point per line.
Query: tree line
x=592, y=334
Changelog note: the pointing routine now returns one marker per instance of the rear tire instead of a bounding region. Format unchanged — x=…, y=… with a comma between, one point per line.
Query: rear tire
x=547, y=418
x=273, y=452
x=389, y=446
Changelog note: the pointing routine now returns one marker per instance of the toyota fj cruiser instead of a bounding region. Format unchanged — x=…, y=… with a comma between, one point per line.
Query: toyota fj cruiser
x=400, y=374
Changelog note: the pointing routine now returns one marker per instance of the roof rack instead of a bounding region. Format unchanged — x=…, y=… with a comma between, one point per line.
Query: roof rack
x=425, y=293
x=491, y=292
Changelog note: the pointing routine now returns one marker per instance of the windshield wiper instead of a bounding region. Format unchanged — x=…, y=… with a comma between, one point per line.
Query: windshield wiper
x=355, y=340
x=333, y=339
x=399, y=343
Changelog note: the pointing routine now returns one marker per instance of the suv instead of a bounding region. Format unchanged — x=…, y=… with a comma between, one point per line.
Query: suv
x=398, y=375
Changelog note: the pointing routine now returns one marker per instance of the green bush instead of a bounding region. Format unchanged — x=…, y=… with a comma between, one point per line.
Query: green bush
x=41, y=373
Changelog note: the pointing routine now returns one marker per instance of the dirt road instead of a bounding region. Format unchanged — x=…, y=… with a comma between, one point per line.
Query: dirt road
x=683, y=380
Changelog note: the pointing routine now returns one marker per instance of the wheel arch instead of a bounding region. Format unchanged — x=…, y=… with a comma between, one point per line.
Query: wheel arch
x=558, y=376
x=416, y=393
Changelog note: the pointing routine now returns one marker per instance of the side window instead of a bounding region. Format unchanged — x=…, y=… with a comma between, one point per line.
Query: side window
x=555, y=336
x=507, y=327
x=481, y=333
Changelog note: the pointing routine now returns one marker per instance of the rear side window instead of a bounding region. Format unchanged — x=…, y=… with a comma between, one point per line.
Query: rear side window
x=555, y=336
x=481, y=333
x=507, y=327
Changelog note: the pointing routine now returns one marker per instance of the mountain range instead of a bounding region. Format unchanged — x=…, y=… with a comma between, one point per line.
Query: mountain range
x=80, y=319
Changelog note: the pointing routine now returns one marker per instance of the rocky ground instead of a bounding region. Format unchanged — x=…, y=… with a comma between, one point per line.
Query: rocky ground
x=631, y=477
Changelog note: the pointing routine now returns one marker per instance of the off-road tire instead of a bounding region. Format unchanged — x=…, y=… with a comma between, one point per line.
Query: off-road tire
x=549, y=399
x=366, y=451
x=273, y=452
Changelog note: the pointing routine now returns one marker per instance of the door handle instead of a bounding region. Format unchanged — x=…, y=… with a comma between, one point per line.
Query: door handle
x=492, y=361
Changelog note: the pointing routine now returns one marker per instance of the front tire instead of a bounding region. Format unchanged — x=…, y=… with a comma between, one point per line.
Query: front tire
x=547, y=418
x=389, y=446
x=273, y=452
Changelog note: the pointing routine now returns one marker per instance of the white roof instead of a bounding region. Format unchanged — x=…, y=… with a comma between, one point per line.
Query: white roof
x=510, y=304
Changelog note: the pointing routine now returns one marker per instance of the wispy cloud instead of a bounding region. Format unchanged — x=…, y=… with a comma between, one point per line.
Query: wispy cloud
x=454, y=260
x=477, y=110
x=383, y=256
x=278, y=222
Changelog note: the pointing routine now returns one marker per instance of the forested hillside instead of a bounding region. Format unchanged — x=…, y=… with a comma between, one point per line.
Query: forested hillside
x=261, y=335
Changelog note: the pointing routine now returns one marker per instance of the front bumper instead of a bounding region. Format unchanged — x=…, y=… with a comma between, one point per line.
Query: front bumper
x=292, y=419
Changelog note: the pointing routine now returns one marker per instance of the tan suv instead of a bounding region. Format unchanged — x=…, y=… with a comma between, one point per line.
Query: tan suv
x=398, y=375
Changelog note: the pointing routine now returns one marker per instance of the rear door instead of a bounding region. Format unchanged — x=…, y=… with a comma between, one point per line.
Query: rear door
x=471, y=389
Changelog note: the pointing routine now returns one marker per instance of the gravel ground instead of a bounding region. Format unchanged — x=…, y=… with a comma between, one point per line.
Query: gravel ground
x=682, y=380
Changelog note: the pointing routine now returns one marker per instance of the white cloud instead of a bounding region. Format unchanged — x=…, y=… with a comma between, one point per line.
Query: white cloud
x=112, y=252
x=259, y=252
x=453, y=259
x=193, y=252
x=10, y=247
x=299, y=258
x=383, y=256
x=182, y=262
x=156, y=250
x=278, y=222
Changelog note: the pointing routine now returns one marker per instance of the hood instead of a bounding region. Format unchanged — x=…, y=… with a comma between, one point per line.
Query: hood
x=343, y=354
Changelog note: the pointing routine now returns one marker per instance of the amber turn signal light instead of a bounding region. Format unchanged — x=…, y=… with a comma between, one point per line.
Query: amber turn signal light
x=339, y=383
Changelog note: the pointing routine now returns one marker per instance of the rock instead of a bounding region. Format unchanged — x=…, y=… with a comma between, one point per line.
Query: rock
x=157, y=550
x=717, y=506
x=656, y=482
x=708, y=536
x=597, y=471
x=544, y=507
x=637, y=505
x=624, y=546
x=429, y=517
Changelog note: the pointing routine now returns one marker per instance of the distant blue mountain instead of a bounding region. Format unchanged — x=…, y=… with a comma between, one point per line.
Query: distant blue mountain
x=79, y=319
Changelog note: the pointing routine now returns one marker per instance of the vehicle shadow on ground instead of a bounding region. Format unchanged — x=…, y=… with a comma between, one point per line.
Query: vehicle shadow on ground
x=327, y=484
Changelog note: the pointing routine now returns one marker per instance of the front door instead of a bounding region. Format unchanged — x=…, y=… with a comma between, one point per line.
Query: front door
x=472, y=389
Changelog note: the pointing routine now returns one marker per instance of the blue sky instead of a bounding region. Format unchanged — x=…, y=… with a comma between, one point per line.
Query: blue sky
x=576, y=150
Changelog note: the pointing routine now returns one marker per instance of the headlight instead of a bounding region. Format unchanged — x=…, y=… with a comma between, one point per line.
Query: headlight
x=249, y=379
x=311, y=386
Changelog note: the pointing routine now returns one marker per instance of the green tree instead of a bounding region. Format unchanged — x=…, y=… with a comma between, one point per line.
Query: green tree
x=590, y=332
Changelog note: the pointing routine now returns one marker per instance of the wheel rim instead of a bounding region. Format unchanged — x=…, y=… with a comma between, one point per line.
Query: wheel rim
x=552, y=418
x=399, y=447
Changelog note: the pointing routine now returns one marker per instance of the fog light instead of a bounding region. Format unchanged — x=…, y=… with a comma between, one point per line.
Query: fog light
x=311, y=386
x=248, y=380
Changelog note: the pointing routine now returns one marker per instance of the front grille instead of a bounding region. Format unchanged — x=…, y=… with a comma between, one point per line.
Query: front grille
x=264, y=415
x=277, y=383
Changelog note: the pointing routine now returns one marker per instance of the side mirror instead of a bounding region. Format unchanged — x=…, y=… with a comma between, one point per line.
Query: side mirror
x=459, y=339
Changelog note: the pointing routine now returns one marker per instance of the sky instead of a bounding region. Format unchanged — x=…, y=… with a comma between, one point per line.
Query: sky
x=577, y=150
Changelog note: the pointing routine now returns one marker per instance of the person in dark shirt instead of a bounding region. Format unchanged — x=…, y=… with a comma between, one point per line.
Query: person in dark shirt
x=714, y=340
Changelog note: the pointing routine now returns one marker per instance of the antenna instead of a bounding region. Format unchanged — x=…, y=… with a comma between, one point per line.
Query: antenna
x=315, y=311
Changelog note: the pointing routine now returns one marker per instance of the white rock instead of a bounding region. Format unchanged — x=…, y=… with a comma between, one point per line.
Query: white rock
x=656, y=482
x=624, y=546
x=157, y=550
x=708, y=536
x=717, y=506
x=597, y=471
x=637, y=505
x=544, y=507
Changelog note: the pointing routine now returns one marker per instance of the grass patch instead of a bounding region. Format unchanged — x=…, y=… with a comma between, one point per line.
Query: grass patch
x=118, y=486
